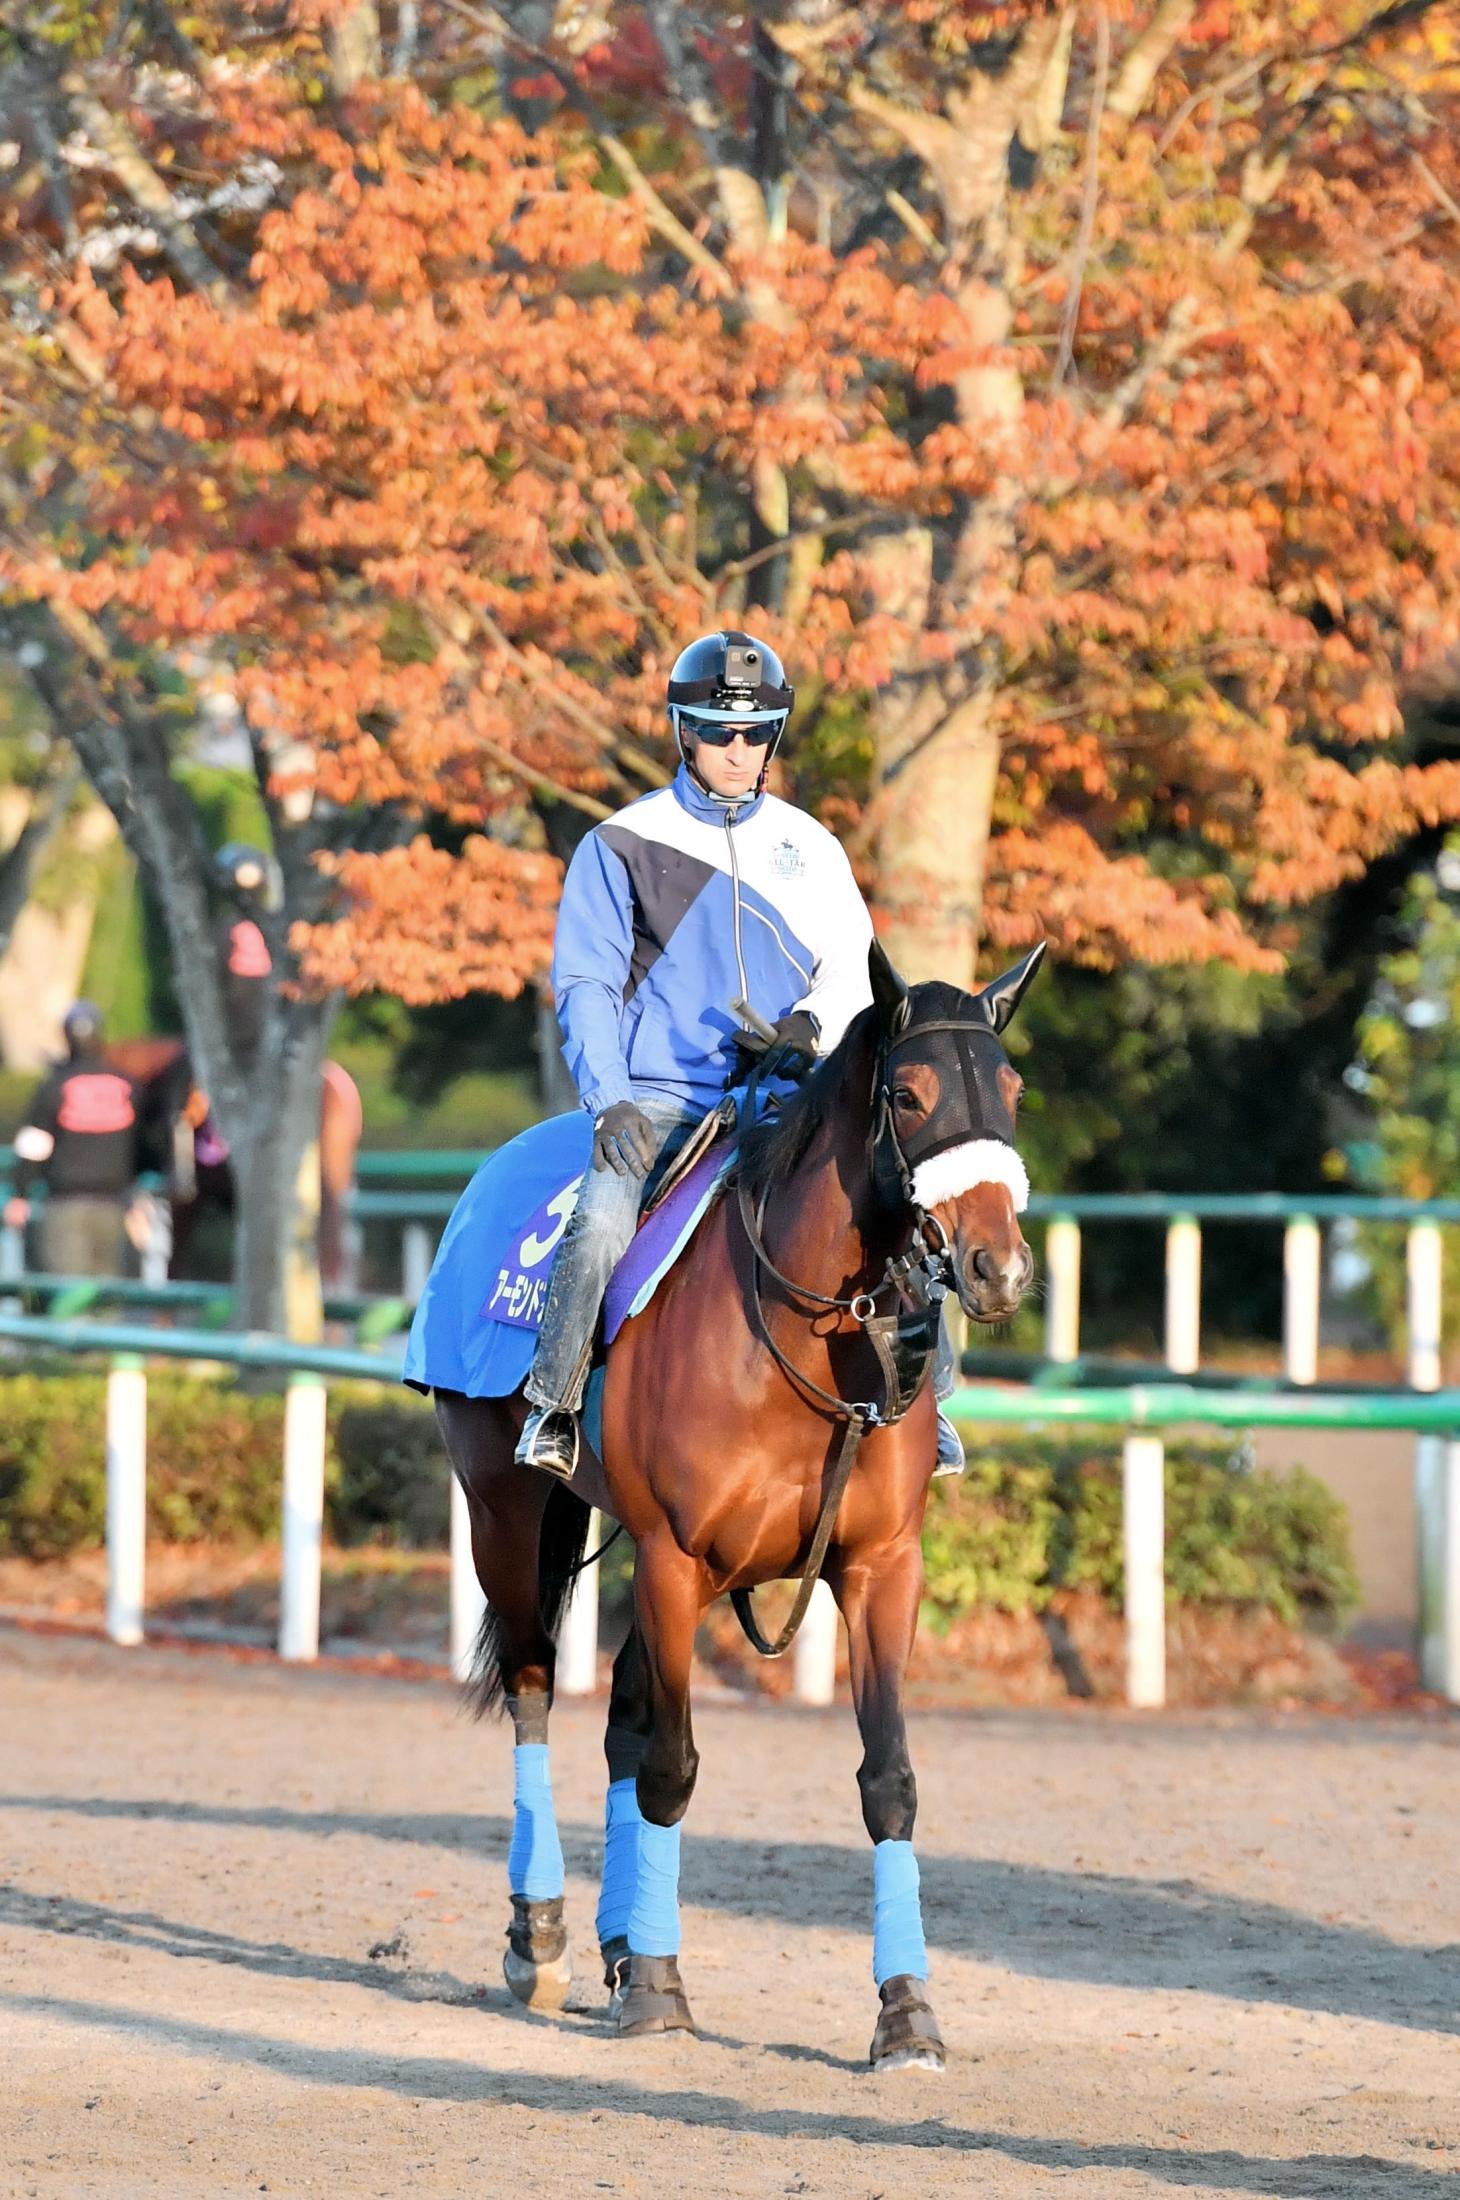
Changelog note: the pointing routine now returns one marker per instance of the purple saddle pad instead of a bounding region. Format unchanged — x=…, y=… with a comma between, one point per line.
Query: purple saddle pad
x=658, y=1242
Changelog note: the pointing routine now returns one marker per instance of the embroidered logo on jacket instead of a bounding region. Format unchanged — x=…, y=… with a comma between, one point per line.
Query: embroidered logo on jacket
x=787, y=860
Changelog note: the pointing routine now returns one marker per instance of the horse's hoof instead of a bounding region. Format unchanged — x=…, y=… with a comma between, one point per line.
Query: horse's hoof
x=653, y=1998
x=615, y=1954
x=907, y=2035
x=542, y=1986
x=537, y=1966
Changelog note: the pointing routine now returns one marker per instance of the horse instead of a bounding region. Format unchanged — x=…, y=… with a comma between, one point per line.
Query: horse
x=761, y=1419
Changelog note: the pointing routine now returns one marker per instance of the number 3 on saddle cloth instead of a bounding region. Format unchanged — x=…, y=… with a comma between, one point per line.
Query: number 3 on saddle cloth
x=476, y=1326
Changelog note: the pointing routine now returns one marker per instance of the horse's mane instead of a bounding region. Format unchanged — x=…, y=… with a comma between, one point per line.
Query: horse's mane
x=775, y=1147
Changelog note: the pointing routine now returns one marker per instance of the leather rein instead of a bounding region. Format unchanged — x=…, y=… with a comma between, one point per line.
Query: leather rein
x=920, y=1277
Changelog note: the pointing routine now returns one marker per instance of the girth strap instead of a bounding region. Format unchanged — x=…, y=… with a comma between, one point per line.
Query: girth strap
x=858, y=1419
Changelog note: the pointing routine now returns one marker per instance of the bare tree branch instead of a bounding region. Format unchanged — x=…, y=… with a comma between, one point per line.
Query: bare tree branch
x=1433, y=185
x=1065, y=353
x=57, y=181
x=661, y=216
x=114, y=141
x=354, y=47
x=1146, y=57
x=407, y=35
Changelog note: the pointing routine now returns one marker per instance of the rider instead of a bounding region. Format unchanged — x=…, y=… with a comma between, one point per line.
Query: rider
x=691, y=917
x=84, y=1137
x=250, y=880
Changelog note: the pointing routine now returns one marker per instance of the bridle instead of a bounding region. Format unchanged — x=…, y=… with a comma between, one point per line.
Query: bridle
x=904, y=1341
x=924, y=1272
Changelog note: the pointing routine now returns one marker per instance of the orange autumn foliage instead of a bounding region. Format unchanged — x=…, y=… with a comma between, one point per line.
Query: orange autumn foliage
x=463, y=449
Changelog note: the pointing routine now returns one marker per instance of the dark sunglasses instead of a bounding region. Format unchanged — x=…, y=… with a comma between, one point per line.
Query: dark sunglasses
x=720, y=732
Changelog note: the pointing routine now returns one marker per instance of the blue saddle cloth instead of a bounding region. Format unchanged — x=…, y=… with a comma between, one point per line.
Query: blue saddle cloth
x=476, y=1326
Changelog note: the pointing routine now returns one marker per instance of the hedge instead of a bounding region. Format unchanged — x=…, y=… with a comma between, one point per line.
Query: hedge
x=1027, y=1519
x=1039, y=1516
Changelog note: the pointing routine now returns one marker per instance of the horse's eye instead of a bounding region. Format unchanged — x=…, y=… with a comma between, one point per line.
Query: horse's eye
x=905, y=1097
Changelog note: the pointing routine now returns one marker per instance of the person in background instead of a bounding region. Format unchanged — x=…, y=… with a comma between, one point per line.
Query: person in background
x=83, y=1139
x=250, y=880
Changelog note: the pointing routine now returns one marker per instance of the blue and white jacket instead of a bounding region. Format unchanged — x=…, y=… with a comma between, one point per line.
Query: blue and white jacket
x=678, y=905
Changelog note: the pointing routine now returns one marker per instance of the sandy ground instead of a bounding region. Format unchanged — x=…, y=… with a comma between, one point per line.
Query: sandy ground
x=1177, y=1955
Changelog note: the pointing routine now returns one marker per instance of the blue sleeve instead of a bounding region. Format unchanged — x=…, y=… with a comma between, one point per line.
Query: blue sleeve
x=592, y=948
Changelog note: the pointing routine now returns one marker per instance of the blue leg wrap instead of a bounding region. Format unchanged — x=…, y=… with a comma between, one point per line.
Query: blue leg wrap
x=654, y=1913
x=621, y=1823
x=535, y=1859
x=897, y=1914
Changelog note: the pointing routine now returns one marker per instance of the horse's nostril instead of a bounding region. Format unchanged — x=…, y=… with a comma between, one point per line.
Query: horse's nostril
x=985, y=1266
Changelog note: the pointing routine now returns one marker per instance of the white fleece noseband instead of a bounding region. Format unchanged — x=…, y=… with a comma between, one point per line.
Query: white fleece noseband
x=978, y=1161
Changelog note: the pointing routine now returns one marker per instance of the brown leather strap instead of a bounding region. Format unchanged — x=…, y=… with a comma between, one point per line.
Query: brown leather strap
x=742, y=1599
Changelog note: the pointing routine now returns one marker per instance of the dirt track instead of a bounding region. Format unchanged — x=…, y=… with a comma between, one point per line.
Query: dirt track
x=1181, y=1956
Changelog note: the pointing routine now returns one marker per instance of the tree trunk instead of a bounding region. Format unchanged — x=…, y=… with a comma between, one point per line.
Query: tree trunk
x=559, y=1093
x=937, y=752
x=355, y=48
x=276, y=1182
x=932, y=842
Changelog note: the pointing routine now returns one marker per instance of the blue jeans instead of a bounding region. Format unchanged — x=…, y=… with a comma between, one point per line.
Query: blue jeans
x=945, y=1366
x=596, y=1239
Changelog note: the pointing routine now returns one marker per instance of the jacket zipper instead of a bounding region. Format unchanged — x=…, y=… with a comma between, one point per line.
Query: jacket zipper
x=730, y=817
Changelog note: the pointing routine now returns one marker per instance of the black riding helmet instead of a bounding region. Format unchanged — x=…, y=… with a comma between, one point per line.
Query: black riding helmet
x=82, y=1026
x=249, y=874
x=729, y=682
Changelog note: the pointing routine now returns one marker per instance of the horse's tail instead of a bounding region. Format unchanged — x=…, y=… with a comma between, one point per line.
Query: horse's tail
x=561, y=1543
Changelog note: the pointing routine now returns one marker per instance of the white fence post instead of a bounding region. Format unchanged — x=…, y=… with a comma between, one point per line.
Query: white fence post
x=304, y=1439
x=1449, y=1658
x=814, y=1655
x=1425, y=1275
x=1302, y=1298
x=577, y=1672
x=1144, y=1525
x=1183, y=1294
x=1425, y=1268
x=126, y=1497
x=467, y=1601
x=1437, y=1585
x=416, y=1255
x=1062, y=1288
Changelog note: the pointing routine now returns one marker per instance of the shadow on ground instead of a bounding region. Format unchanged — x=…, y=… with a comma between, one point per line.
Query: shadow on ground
x=1301, y=2177
x=1091, y=1927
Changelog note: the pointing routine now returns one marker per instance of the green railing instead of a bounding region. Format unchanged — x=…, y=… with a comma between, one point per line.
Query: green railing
x=373, y=1317
x=1141, y=1409
x=394, y=1176
x=1176, y=1405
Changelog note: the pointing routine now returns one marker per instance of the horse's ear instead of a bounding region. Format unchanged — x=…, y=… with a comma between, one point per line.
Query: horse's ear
x=890, y=996
x=1002, y=996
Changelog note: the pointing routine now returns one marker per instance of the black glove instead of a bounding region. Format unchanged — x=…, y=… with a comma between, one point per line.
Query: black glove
x=623, y=1140
x=791, y=1053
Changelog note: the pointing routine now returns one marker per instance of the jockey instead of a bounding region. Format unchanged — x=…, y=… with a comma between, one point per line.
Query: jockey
x=250, y=882
x=692, y=924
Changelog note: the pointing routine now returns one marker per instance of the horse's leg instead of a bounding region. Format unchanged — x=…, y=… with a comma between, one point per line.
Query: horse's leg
x=624, y=1744
x=515, y=1660
x=668, y=1598
x=879, y=1600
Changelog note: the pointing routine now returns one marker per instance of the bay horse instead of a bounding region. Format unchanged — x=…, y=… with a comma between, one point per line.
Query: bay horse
x=758, y=1417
